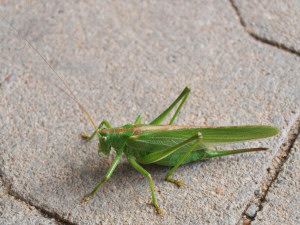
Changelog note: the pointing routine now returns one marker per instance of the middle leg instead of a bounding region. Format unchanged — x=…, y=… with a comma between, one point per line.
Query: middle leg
x=107, y=176
x=148, y=175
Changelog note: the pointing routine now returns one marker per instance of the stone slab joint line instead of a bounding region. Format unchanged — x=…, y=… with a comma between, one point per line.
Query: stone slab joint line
x=256, y=37
x=29, y=204
x=256, y=204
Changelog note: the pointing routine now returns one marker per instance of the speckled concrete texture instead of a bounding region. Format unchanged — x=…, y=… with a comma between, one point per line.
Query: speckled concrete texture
x=123, y=59
x=275, y=21
x=282, y=205
x=13, y=211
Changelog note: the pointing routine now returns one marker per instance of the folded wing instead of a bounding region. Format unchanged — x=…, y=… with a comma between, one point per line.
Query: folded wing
x=158, y=139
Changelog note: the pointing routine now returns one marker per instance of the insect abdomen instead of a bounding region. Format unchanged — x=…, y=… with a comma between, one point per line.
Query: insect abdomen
x=170, y=160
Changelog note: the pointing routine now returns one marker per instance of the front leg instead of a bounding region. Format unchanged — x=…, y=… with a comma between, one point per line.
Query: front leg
x=104, y=122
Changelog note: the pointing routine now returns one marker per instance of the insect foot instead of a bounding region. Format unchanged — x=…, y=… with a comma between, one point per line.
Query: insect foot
x=158, y=210
x=178, y=182
x=85, y=199
x=84, y=135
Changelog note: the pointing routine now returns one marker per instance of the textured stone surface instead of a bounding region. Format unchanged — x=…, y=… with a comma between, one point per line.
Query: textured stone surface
x=282, y=204
x=251, y=211
x=275, y=21
x=14, y=211
x=122, y=59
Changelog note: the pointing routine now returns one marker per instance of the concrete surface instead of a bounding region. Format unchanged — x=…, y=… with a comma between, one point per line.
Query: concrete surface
x=13, y=211
x=274, y=22
x=122, y=59
x=282, y=201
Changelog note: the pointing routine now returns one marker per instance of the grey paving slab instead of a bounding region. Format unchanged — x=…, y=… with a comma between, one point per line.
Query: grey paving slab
x=275, y=21
x=282, y=203
x=122, y=59
x=14, y=211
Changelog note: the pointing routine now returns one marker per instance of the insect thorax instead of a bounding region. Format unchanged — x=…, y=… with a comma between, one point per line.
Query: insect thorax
x=114, y=137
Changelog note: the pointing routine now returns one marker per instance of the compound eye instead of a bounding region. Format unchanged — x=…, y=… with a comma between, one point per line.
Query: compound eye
x=104, y=138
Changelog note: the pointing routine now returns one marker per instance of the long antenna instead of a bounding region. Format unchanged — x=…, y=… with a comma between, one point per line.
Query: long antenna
x=61, y=79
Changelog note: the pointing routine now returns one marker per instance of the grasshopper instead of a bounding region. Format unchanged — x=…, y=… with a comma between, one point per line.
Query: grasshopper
x=167, y=145
x=170, y=145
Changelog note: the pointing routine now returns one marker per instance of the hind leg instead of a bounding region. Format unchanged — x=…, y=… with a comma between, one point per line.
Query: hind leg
x=182, y=97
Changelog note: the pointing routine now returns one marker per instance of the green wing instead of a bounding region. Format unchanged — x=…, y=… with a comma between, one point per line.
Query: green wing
x=158, y=139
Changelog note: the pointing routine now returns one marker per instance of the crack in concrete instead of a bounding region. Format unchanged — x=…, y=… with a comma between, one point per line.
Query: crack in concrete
x=45, y=213
x=264, y=40
x=16, y=196
x=282, y=155
x=274, y=43
x=272, y=173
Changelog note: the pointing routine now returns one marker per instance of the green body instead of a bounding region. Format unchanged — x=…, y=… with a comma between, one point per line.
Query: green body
x=170, y=145
x=142, y=139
